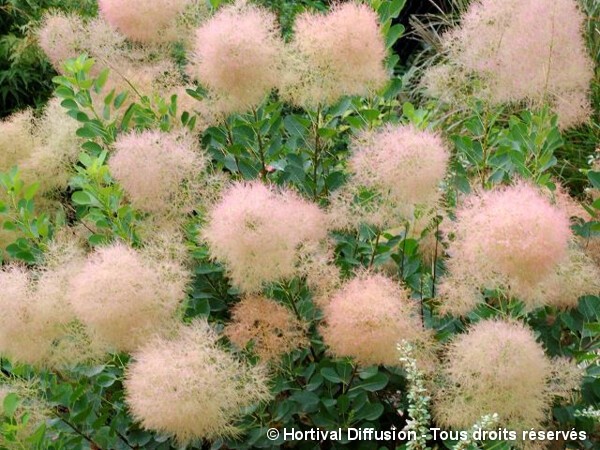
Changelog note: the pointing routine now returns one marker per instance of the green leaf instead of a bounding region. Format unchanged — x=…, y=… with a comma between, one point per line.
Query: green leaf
x=390, y=9
x=92, y=147
x=97, y=239
x=593, y=327
x=10, y=226
x=31, y=190
x=309, y=401
x=590, y=307
x=69, y=104
x=330, y=374
x=370, y=411
x=368, y=372
x=120, y=99
x=109, y=98
x=106, y=379
x=64, y=92
x=296, y=125
x=393, y=89
x=87, y=132
x=393, y=35
x=396, y=7
x=101, y=81
x=373, y=384
x=10, y=404
x=594, y=178
x=327, y=133
x=82, y=198
x=36, y=439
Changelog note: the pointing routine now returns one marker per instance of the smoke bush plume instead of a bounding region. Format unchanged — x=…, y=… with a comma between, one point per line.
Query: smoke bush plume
x=191, y=388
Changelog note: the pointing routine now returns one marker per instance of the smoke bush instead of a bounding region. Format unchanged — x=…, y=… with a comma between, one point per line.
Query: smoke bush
x=515, y=238
x=497, y=366
x=238, y=56
x=576, y=276
x=367, y=318
x=260, y=233
x=60, y=37
x=23, y=331
x=269, y=326
x=125, y=298
x=334, y=54
x=189, y=387
x=63, y=36
x=153, y=166
x=56, y=149
x=38, y=326
x=141, y=20
x=16, y=141
x=398, y=169
x=530, y=51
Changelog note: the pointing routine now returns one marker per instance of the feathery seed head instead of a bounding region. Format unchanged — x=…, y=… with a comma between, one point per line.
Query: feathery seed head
x=368, y=317
x=238, y=56
x=152, y=167
x=189, y=387
x=260, y=233
x=513, y=235
x=125, y=298
x=496, y=367
x=269, y=326
x=141, y=20
x=340, y=53
x=526, y=50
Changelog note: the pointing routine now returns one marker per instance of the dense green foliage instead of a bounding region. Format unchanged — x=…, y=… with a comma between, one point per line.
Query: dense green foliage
x=308, y=150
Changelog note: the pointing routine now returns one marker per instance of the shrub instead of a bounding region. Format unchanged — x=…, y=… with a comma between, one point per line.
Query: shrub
x=228, y=221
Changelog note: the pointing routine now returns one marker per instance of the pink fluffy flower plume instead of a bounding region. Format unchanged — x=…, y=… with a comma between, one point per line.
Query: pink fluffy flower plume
x=260, y=233
x=513, y=235
x=334, y=54
x=142, y=20
x=368, y=317
x=238, y=56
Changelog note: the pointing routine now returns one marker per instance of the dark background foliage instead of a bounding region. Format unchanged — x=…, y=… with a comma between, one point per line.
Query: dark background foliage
x=25, y=73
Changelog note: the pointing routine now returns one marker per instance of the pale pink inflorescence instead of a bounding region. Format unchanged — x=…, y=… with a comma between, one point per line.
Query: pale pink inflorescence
x=60, y=36
x=334, y=54
x=191, y=388
x=577, y=275
x=271, y=328
x=526, y=50
x=368, y=317
x=153, y=166
x=261, y=233
x=56, y=149
x=16, y=139
x=124, y=297
x=400, y=167
x=514, y=237
x=135, y=70
x=24, y=335
x=498, y=367
x=63, y=36
x=44, y=148
x=238, y=56
x=141, y=20
x=38, y=325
